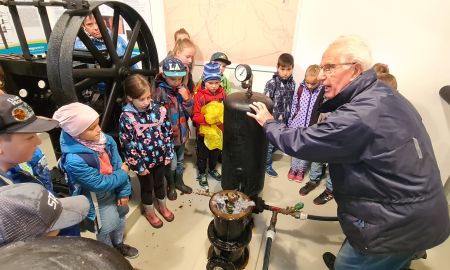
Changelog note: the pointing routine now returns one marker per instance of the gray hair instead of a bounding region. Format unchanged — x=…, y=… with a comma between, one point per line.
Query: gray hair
x=353, y=48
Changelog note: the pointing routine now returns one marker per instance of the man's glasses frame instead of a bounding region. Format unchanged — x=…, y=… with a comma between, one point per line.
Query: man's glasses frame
x=331, y=68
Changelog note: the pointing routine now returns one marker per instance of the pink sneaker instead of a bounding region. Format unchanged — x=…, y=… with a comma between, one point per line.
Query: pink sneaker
x=291, y=174
x=299, y=177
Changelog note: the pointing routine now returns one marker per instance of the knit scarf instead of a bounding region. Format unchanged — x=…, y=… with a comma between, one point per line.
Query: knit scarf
x=98, y=147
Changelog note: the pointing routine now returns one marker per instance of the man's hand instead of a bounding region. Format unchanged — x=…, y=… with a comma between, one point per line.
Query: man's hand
x=125, y=167
x=261, y=113
x=122, y=201
x=184, y=93
x=167, y=161
x=144, y=172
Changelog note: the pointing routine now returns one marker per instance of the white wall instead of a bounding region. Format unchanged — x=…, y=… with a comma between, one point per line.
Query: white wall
x=412, y=37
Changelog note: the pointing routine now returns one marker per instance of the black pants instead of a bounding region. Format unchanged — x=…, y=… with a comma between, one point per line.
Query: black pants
x=203, y=154
x=153, y=181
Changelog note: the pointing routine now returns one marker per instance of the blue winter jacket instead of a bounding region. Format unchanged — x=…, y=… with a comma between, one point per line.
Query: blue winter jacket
x=121, y=45
x=36, y=171
x=86, y=178
x=385, y=176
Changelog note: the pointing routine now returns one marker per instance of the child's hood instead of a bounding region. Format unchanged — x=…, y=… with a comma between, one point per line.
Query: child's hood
x=128, y=107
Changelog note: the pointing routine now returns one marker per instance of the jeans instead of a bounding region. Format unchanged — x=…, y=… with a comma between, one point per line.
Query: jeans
x=270, y=150
x=328, y=184
x=112, y=218
x=178, y=159
x=350, y=259
x=316, y=172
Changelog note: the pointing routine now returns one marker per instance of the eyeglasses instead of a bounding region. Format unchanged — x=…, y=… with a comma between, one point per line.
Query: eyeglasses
x=329, y=69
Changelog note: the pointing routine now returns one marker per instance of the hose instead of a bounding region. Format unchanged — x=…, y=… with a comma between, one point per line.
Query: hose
x=321, y=218
x=267, y=253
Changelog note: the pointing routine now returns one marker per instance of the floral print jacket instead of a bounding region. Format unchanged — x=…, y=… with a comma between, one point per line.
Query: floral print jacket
x=145, y=137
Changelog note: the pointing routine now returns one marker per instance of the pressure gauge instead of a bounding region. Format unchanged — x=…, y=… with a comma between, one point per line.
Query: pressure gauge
x=243, y=72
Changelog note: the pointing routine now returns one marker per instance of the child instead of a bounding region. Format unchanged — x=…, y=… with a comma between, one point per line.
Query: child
x=327, y=195
x=280, y=90
x=221, y=59
x=18, y=139
x=181, y=34
x=29, y=211
x=389, y=79
x=171, y=93
x=184, y=50
x=94, y=168
x=145, y=136
x=210, y=90
x=36, y=170
x=380, y=68
x=304, y=113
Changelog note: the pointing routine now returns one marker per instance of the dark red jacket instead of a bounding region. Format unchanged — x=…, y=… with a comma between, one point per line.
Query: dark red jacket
x=203, y=97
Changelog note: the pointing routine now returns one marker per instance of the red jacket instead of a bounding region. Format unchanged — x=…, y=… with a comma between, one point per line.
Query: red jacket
x=203, y=97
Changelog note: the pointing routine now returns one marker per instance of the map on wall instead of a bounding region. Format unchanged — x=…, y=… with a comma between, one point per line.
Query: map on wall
x=247, y=31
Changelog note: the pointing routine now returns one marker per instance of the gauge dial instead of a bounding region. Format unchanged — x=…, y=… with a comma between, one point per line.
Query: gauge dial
x=243, y=72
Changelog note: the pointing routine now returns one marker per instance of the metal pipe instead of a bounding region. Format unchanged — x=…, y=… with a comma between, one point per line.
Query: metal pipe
x=20, y=33
x=45, y=21
x=39, y=3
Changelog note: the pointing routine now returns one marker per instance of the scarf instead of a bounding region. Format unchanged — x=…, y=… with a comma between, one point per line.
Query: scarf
x=98, y=147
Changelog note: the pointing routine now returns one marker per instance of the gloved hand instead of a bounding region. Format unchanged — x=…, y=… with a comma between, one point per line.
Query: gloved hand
x=259, y=205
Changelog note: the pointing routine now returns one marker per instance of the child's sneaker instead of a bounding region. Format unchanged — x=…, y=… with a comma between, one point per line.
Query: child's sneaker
x=299, y=177
x=329, y=259
x=310, y=186
x=216, y=175
x=127, y=251
x=291, y=174
x=203, y=181
x=324, y=197
x=271, y=172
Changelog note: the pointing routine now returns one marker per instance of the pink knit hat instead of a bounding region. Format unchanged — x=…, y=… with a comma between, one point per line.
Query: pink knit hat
x=75, y=118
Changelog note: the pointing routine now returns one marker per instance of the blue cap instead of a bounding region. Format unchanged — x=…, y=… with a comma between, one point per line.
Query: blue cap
x=211, y=72
x=173, y=67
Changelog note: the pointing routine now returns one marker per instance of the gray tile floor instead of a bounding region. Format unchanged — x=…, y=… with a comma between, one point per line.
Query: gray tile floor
x=183, y=243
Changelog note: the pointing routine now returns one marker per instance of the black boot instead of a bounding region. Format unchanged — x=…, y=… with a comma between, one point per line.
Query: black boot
x=179, y=184
x=170, y=178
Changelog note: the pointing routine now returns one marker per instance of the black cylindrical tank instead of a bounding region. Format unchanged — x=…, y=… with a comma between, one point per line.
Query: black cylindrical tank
x=244, y=145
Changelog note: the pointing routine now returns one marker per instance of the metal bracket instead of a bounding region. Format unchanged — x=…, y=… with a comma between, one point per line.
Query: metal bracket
x=76, y=4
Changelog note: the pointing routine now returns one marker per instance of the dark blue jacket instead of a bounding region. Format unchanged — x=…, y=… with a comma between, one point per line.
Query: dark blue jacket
x=385, y=177
x=89, y=179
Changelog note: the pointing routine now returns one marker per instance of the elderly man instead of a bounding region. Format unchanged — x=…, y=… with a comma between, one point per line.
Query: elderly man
x=387, y=185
